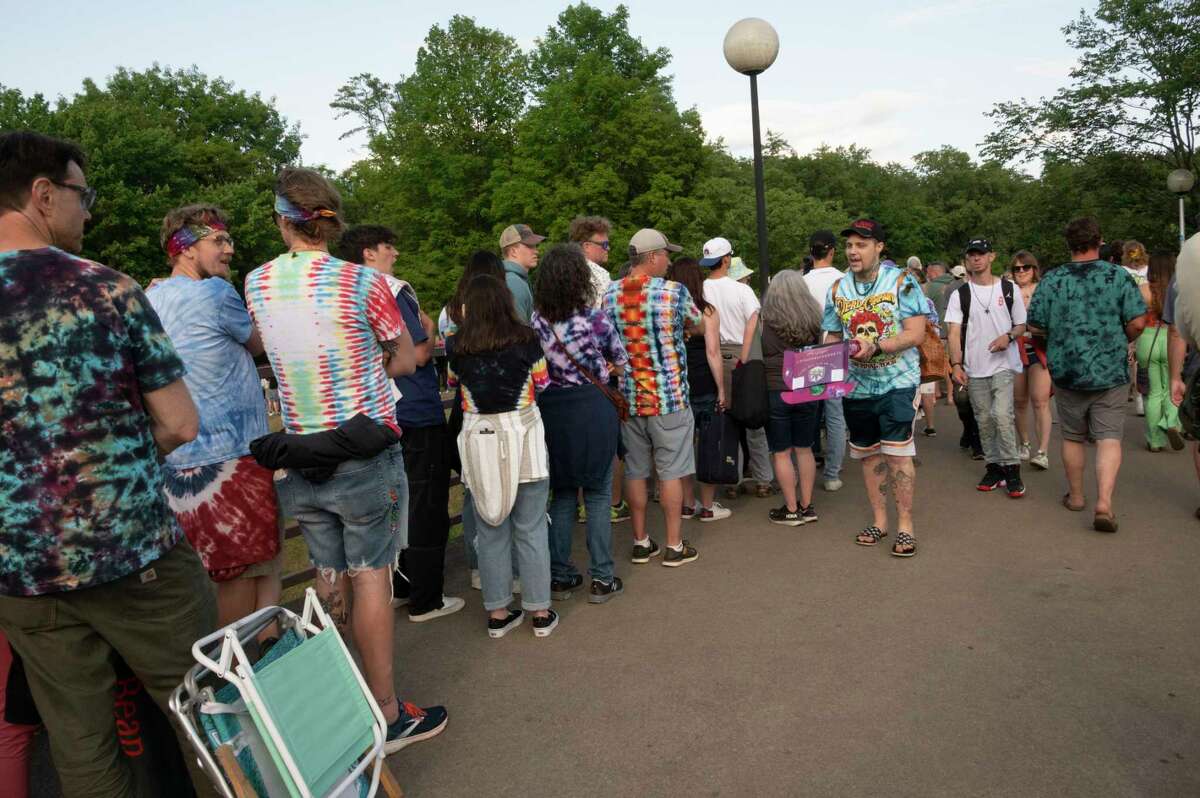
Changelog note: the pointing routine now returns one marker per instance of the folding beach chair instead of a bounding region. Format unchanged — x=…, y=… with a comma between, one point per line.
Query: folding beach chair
x=300, y=723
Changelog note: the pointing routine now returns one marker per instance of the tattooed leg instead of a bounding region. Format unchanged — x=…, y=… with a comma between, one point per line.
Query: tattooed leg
x=334, y=593
x=875, y=474
x=903, y=485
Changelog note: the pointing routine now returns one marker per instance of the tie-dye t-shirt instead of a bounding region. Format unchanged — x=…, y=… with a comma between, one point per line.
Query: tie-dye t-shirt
x=592, y=341
x=81, y=494
x=650, y=314
x=501, y=381
x=322, y=320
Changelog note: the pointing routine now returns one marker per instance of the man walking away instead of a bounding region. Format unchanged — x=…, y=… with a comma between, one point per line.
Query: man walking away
x=822, y=247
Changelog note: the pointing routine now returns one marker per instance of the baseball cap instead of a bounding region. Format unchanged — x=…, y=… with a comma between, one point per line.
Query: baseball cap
x=738, y=270
x=867, y=228
x=978, y=245
x=714, y=250
x=959, y=271
x=519, y=234
x=648, y=240
x=823, y=238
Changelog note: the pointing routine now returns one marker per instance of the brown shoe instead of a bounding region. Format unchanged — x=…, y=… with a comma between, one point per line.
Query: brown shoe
x=1104, y=522
x=763, y=491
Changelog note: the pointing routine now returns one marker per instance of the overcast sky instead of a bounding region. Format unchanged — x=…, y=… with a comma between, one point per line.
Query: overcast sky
x=896, y=77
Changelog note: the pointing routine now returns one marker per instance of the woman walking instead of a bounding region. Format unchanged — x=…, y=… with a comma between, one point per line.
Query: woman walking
x=1032, y=386
x=580, y=343
x=705, y=383
x=499, y=365
x=791, y=319
x=1162, y=415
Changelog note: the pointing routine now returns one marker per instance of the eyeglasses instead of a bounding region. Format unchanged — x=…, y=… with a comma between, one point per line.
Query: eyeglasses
x=87, y=196
x=604, y=245
x=1024, y=267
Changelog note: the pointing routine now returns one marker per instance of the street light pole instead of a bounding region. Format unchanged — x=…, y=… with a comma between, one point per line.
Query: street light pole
x=1180, y=182
x=760, y=195
x=751, y=46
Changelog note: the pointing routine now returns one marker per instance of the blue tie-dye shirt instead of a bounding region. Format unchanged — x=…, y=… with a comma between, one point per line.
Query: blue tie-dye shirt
x=209, y=325
x=81, y=494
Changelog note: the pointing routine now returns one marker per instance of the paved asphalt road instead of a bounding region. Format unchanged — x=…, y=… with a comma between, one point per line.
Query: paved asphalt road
x=1018, y=654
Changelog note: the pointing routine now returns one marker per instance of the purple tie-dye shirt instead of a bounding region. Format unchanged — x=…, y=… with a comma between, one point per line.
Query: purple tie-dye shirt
x=592, y=340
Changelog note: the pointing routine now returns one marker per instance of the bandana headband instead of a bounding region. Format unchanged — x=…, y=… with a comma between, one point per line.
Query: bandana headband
x=189, y=234
x=294, y=213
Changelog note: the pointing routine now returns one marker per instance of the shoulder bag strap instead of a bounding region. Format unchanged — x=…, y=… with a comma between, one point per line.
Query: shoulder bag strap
x=578, y=367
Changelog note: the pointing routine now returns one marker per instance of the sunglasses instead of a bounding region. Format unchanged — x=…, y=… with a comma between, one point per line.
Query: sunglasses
x=87, y=196
x=1024, y=267
x=604, y=245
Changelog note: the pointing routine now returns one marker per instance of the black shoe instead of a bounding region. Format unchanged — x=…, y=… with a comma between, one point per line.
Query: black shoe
x=1012, y=480
x=785, y=517
x=560, y=589
x=930, y=432
x=603, y=591
x=499, y=627
x=809, y=514
x=992, y=478
x=964, y=442
x=543, y=626
x=673, y=559
x=977, y=454
x=643, y=552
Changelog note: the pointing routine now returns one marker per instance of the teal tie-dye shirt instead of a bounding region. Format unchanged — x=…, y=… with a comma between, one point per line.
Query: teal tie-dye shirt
x=81, y=498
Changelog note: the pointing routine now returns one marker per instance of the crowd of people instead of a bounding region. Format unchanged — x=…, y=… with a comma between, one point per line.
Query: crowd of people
x=143, y=496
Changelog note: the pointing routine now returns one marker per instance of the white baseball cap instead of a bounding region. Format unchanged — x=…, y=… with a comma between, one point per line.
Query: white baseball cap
x=714, y=250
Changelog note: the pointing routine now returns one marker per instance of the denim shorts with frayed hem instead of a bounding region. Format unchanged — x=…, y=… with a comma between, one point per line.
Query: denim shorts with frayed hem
x=355, y=521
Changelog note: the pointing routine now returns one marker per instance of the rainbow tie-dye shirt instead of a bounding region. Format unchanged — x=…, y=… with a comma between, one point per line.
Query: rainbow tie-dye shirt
x=322, y=321
x=650, y=313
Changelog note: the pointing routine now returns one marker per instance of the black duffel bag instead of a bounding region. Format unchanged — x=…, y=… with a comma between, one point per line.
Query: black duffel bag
x=751, y=408
x=717, y=450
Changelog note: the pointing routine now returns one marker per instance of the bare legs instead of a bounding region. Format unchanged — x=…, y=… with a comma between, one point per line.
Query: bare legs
x=928, y=403
x=1039, y=395
x=670, y=498
x=708, y=493
x=785, y=474
x=238, y=598
x=370, y=607
x=1021, y=405
x=884, y=473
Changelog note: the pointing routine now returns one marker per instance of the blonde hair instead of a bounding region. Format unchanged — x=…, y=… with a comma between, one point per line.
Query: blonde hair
x=1134, y=254
x=790, y=310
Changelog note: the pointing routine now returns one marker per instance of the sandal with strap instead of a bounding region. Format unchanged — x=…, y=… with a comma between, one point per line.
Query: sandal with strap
x=870, y=536
x=904, y=539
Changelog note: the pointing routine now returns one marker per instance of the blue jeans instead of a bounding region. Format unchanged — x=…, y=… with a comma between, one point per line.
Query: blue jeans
x=599, y=532
x=356, y=520
x=835, y=438
x=524, y=530
x=470, y=530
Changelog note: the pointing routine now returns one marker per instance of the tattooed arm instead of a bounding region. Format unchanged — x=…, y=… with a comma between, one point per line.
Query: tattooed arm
x=399, y=356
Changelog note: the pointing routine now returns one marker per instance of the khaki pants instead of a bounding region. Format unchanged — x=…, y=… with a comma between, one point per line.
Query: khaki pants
x=151, y=618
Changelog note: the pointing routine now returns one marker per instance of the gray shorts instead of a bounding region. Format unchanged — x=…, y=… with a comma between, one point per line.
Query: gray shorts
x=1091, y=415
x=668, y=438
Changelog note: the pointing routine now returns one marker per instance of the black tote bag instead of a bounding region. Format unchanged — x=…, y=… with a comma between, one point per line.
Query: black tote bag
x=717, y=450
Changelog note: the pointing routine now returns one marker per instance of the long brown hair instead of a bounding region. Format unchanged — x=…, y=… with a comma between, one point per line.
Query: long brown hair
x=490, y=321
x=1025, y=258
x=481, y=262
x=1162, y=270
x=687, y=272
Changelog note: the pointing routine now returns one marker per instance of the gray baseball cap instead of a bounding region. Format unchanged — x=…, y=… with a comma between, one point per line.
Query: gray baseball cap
x=519, y=234
x=648, y=240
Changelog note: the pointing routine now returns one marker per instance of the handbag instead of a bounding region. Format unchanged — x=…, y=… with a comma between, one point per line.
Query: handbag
x=935, y=363
x=717, y=450
x=751, y=407
x=610, y=393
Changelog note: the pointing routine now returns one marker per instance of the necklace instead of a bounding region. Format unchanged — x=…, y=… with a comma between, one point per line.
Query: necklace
x=987, y=308
x=870, y=286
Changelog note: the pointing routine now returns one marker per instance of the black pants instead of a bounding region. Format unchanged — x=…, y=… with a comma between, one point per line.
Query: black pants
x=966, y=414
x=422, y=564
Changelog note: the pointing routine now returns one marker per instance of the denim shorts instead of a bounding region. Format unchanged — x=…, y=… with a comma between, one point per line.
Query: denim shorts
x=358, y=519
x=791, y=426
x=882, y=424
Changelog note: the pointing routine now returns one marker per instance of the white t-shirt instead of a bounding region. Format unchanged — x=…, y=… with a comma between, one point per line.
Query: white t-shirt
x=735, y=304
x=600, y=281
x=985, y=327
x=819, y=281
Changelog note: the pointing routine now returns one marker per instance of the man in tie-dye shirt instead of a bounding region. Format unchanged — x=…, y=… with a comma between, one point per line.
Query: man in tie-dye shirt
x=650, y=314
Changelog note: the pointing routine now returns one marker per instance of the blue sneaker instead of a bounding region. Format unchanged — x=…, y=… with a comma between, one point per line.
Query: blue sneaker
x=414, y=725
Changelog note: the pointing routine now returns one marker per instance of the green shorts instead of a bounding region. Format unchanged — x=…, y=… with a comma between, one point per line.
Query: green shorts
x=882, y=424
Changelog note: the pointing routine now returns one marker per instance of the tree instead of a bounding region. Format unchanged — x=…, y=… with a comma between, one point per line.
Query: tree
x=1135, y=89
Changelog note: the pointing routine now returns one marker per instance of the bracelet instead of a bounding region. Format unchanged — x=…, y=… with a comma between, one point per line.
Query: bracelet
x=955, y=365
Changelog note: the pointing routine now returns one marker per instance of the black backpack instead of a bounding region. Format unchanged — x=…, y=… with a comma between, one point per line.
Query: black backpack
x=964, y=302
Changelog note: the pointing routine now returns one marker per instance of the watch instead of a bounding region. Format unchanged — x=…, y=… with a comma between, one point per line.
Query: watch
x=1011, y=337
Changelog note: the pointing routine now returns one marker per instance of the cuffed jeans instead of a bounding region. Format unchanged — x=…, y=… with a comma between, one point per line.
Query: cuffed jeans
x=526, y=531
x=470, y=530
x=599, y=532
x=835, y=438
x=992, y=401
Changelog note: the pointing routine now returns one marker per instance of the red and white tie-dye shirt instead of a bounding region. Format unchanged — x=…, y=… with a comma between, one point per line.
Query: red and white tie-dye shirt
x=322, y=321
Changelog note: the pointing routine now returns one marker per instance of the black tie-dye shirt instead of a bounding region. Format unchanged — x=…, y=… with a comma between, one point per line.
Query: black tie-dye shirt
x=81, y=499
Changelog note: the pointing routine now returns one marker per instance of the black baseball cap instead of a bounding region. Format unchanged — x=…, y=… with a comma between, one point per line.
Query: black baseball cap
x=978, y=245
x=824, y=238
x=867, y=228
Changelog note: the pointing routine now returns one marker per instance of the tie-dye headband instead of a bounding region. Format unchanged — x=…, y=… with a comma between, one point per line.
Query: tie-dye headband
x=189, y=234
x=294, y=213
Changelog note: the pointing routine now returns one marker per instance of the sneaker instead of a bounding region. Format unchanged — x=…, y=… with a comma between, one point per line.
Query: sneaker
x=399, y=589
x=1024, y=451
x=1040, y=460
x=673, y=559
x=620, y=512
x=714, y=513
x=642, y=552
x=809, y=514
x=785, y=517
x=993, y=478
x=476, y=584
x=544, y=625
x=399, y=601
x=499, y=627
x=832, y=485
x=977, y=454
x=687, y=512
x=964, y=442
x=1012, y=480
x=560, y=589
x=930, y=432
x=1140, y=405
x=731, y=493
x=1176, y=438
x=450, y=605
x=413, y=726
x=603, y=591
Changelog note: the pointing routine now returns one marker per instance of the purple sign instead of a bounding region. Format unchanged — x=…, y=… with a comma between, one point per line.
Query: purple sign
x=817, y=373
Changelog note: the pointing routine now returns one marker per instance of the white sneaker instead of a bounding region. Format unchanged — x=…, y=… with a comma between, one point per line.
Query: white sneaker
x=832, y=485
x=450, y=605
x=1140, y=405
x=1024, y=451
x=475, y=583
x=714, y=513
x=1040, y=460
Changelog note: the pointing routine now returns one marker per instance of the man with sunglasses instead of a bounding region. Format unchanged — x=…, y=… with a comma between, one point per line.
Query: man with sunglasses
x=591, y=234
x=518, y=247
x=93, y=560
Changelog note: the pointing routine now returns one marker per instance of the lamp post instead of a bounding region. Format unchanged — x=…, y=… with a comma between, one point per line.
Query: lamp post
x=1180, y=182
x=751, y=46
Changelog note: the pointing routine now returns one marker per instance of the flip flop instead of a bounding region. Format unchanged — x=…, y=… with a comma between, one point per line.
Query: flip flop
x=1104, y=522
x=1066, y=502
